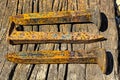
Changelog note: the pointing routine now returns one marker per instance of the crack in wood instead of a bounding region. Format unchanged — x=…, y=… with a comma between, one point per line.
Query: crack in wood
x=30, y=72
x=11, y=74
x=66, y=72
x=46, y=78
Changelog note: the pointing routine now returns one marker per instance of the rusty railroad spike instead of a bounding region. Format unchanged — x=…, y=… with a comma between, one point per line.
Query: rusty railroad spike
x=20, y=37
x=83, y=16
x=94, y=56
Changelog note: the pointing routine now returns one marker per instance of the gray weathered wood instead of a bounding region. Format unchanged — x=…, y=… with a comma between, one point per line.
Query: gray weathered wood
x=6, y=67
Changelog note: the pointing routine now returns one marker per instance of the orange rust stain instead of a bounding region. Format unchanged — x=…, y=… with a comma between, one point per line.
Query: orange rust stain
x=51, y=17
x=49, y=56
x=29, y=35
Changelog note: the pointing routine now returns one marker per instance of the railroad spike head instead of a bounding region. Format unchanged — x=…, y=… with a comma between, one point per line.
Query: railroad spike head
x=101, y=59
x=96, y=18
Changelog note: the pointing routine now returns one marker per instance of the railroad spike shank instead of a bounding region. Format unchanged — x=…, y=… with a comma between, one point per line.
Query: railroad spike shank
x=82, y=16
x=94, y=56
x=32, y=37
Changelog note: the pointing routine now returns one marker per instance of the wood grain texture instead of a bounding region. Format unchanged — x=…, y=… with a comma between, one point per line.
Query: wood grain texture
x=6, y=67
x=11, y=71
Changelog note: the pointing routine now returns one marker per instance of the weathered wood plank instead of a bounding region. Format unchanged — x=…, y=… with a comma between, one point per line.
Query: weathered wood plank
x=6, y=67
x=2, y=10
x=108, y=11
x=112, y=42
x=23, y=70
x=5, y=8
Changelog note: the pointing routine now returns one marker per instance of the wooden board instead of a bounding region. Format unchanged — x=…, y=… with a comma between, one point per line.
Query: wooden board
x=11, y=71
